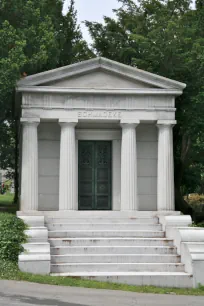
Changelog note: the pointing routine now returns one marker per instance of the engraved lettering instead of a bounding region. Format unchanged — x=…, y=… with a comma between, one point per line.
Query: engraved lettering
x=99, y=114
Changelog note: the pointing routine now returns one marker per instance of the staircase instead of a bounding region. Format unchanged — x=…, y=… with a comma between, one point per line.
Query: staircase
x=120, y=250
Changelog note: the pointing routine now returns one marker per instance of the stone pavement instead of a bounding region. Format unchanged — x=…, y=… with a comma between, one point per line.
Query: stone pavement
x=30, y=294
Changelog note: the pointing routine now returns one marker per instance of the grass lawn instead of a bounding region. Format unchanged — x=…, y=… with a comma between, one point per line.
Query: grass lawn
x=6, y=199
x=6, y=203
x=10, y=271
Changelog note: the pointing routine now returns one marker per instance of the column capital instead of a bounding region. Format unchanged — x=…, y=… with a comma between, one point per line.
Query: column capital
x=126, y=123
x=30, y=121
x=166, y=123
x=68, y=122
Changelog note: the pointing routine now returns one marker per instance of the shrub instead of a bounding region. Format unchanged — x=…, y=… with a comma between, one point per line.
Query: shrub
x=201, y=224
x=11, y=237
x=8, y=270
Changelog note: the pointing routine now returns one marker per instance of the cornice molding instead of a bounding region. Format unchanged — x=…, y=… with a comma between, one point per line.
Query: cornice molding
x=122, y=91
x=100, y=64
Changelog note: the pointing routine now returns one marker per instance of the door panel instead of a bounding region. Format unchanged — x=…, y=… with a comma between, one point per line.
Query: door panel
x=102, y=175
x=95, y=175
x=86, y=175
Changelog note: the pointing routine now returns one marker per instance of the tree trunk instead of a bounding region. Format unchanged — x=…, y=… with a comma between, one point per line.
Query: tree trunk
x=181, y=204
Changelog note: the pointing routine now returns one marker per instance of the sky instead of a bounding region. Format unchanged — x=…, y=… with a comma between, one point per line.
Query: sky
x=93, y=10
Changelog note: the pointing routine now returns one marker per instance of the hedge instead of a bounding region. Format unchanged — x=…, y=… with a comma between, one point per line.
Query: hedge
x=11, y=237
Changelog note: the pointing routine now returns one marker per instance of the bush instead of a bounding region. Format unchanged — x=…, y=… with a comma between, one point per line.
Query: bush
x=11, y=237
x=194, y=198
x=201, y=224
x=8, y=270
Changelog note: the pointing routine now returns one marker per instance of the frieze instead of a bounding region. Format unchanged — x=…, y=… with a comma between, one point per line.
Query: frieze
x=97, y=103
x=99, y=114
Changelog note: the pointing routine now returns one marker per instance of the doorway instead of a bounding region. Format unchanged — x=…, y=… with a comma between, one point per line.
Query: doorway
x=95, y=164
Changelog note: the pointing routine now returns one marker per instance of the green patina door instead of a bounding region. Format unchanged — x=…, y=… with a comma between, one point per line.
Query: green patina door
x=95, y=175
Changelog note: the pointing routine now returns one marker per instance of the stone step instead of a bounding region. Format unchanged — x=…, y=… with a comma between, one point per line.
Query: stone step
x=63, y=250
x=159, y=279
x=115, y=258
x=105, y=233
x=58, y=242
x=103, y=226
x=133, y=220
x=37, y=247
x=116, y=267
x=104, y=214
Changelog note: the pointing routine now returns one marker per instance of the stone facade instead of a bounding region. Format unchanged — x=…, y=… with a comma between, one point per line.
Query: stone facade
x=98, y=100
x=97, y=177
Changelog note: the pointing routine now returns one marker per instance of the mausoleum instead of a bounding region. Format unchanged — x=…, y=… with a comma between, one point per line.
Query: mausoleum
x=97, y=162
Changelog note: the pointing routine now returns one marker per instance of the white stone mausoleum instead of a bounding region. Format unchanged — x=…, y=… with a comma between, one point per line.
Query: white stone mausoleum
x=97, y=163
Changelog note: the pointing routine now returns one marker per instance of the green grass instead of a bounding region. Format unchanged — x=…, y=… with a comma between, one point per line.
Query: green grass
x=10, y=271
x=6, y=203
x=6, y=199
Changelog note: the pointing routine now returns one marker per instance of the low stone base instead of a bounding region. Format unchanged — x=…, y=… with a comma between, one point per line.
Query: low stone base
x=36, y=256
x=35, y=267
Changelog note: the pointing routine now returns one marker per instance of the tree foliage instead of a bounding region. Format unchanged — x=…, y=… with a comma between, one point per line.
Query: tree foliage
x=165, y=37
x=34, y=36
x=12, y=236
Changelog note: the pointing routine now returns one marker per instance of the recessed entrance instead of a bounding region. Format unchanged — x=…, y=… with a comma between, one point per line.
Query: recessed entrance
x=95, y=163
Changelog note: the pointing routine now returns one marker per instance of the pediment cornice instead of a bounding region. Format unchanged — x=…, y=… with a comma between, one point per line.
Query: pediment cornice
x=99, y=64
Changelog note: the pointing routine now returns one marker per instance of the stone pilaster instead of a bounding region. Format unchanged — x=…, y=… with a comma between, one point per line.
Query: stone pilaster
x=165, y=169
x=129, y=197
x=68, y=171
x=29, y=174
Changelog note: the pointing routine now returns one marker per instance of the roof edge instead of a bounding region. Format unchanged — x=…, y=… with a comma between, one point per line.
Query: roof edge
x=100, y=63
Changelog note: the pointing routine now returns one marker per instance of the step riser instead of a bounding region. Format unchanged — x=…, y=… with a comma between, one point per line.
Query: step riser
x=110, y=242
x=143, y=227
x=103, y=220
x=126, y=267
x=115, y=259
x=36, y=248
x=112, y=250
x=73, y=234
x=178, y=281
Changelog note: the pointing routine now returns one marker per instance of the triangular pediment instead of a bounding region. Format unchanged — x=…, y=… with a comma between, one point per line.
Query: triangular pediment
x=98, y=79
x=99, y=73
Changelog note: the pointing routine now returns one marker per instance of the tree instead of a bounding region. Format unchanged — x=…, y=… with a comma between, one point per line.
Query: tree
x=34, y=36
x=165, y=37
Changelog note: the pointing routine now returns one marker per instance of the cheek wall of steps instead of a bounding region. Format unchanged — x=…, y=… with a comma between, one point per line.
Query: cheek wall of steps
x=147, y=250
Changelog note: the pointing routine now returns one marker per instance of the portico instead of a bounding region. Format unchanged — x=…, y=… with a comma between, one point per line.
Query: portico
x=97, y=177
x=97, y=135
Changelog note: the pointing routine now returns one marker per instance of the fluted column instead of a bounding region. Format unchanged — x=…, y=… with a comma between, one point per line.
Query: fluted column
x=29, y=172
x=129, y=197
x=67, y=179
x=165, y=169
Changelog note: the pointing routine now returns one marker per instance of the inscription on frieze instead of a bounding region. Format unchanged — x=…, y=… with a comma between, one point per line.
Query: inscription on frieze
x=99, y=114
